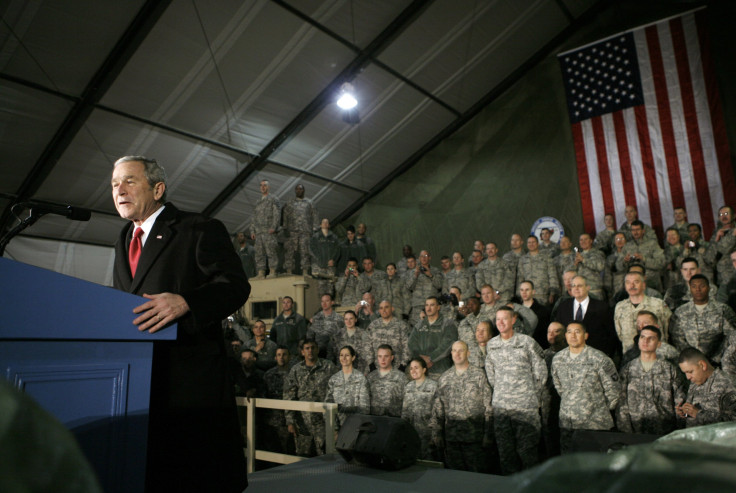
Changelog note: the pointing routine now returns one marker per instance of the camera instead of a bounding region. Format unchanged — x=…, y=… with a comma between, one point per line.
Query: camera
x=363, y=303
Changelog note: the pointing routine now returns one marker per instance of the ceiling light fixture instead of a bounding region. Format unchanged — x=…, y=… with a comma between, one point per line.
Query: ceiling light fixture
x=347, y=100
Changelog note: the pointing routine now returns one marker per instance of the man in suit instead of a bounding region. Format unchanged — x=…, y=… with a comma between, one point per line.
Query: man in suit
x=184, y=264
x=595, y=314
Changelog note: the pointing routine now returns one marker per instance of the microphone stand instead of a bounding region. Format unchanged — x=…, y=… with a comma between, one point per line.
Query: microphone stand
x=28, y=221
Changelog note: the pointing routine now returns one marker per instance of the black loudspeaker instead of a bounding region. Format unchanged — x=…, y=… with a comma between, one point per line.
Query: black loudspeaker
x=378, y=441
x=607, y=441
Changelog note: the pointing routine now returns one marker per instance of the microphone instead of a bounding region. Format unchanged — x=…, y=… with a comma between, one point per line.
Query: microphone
x=69, y=212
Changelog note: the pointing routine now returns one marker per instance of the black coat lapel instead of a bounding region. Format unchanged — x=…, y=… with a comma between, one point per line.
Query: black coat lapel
x=158, y=239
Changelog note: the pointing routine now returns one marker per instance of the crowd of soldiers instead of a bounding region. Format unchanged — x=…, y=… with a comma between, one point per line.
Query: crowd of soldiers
x=499, y=362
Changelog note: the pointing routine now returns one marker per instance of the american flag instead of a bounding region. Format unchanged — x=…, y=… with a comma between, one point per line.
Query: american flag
x=647, y=125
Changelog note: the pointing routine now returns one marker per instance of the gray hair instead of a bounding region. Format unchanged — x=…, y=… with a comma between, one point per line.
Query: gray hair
x=153, y=171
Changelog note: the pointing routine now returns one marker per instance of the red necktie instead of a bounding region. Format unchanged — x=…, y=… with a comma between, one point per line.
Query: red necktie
x=134, y=252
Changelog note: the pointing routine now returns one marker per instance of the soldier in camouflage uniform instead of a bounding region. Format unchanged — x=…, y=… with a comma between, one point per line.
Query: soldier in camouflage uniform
x=517, y=373
x=277, y=434
x=631, y=217
x=664, y=351
x=696, y=247
x=247, y=255
x=419, y=395
x=468, y=325
x=432, y=339
x=613, y=277
x=565, y=260
x=546, y=246
x=386, y=385
x=289, y=327
x=459, y=276
x=672, y=253
x=390, y=330
x=350, y=285
x=680, y=223
x=394, y=287
x=324, y=247
x=300, y=220
x=550, y=398
x=263, y=228
x=307, y=381
x=679, y=294
x=722, y=243
x=701, y=323
x=376, y=279
x=646, y=252
x=324, y=325
x=711, y=397
x=478, y=348
x=539, y=269
x=624, y=316
x=462, y=416
x=588, y=384
x=604, y=239
x=495, y=271
x=348, y=388
x=265, y=348
x=366, y=310
x=513, y=255
x=650, y=390
x=422, y=282
x=355, y=337
x=589, y=263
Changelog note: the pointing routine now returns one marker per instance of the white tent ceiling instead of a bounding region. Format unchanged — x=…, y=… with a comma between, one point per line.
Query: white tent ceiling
x=227, y=92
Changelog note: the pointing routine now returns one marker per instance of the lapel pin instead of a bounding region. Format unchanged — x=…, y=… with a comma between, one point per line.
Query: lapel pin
x=159, y=237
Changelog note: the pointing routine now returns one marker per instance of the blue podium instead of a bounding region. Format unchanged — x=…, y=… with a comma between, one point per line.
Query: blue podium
x=72, y=346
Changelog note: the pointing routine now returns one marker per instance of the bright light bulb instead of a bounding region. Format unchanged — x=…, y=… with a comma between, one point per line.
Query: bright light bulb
x=347, y=101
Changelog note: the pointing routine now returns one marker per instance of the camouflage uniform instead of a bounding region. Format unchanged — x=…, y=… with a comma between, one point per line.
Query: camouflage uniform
x=671, y=272
x=360, y=341
x=624, y=318
x=308, y=384
x=517, y=373
x=420, y=288
x=266, y=216
x=323, y=329
x=613, y=276
x=348, y=249
x=462, y=418
x=350, y=393
x=665, y=352
x=274, y=418
x=526, y=321
x=718, y=255
x=286, y=331
x=551, y=250
x=512, y=260
x=541, y=271
x=323, y=249
x=349, y=289
x=680, y=293
x=728, y=361
x=649, y=234
x=699, y=253
x=563, y=262
x=716, y=398
x=550, y=409
x=497, y=274
x=395, y=333
x=300, y=221
x=589, y=389
x=705, y=330
x=366, y=318
x=266, y=356
x=377, y=283
x=387, y=392
x=417, y=410
x=477, y=355
x=466, y=329
x=394, y=288
x=591, y=268
x=648, y=398
x=434, y=340
x=653, y=257
x=460, y=278
x=604, y=241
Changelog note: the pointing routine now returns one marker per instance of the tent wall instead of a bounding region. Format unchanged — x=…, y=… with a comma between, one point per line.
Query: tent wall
x=514, y=162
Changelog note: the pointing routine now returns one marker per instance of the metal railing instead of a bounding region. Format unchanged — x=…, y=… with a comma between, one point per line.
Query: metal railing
x=329, y=409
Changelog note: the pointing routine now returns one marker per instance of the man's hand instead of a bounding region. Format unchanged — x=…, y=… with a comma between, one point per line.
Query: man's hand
x=252, y=236
x=686, y=410
x=291, y=429
x=163, y=309
x=427, y=360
